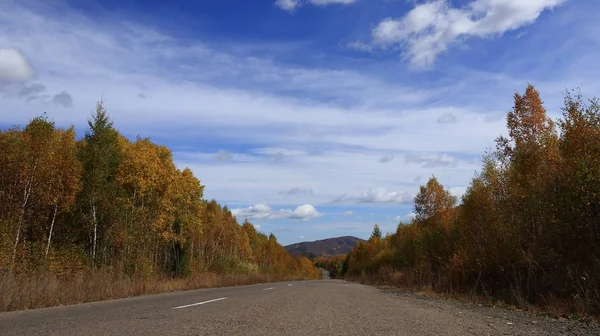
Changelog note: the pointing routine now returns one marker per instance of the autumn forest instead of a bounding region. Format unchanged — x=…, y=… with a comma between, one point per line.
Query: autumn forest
x=527, y=230
x=104, y=217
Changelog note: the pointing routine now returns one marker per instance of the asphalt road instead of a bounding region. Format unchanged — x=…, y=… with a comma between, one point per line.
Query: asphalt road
x=322, y=307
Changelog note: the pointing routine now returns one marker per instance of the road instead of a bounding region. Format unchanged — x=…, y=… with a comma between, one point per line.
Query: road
x=321, y=307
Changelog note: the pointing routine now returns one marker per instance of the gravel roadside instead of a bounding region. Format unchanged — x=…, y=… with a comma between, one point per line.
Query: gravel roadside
x=505, y=321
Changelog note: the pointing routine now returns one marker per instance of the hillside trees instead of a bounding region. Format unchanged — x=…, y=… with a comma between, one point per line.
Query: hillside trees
x=527, y=230
x=105, y=202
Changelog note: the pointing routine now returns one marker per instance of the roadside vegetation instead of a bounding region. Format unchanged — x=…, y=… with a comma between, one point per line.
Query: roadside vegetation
x=105, y=217
x=525, y=233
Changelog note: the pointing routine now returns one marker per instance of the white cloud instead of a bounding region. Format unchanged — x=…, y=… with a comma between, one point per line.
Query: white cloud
x=410, y=216
x=348, y=213
x=256, y=226
x=14, y=66
x=377, y=195
x=262, y=211
x=360, y=46
x=431, y=27
x=288, y=5
x=431, y=161
x=292, y=5
x=330, y=2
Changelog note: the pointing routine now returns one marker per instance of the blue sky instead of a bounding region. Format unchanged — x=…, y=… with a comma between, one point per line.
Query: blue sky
x=311, y=118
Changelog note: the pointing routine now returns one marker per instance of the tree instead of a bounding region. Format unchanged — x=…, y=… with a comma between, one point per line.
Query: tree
x=376, y=235
x=100, y=154
x=35, y=148
x=433, y=203
x=63, y=183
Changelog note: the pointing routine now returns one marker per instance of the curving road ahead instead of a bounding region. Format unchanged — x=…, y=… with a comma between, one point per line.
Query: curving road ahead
x=322, y=307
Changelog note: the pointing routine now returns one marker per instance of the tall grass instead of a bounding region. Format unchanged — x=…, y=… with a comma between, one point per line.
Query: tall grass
x=46, y=289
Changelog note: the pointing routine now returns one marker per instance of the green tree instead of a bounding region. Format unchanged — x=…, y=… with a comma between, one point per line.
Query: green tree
x=100, y=154
x=376, y=235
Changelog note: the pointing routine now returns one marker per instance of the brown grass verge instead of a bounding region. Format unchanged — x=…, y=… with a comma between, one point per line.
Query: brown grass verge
x=44, y=289
x=552, y=306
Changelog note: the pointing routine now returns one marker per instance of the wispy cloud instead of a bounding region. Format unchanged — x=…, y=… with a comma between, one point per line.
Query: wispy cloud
x=297, y=191
x=432, y=27
x=288, y=5
x=447, y=118
x=292, y=5
x=431, y=161
x=386, y=159
x=223, y=155
x=360, y=46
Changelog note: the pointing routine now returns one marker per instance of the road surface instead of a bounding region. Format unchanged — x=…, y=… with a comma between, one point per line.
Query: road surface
x=321, y=307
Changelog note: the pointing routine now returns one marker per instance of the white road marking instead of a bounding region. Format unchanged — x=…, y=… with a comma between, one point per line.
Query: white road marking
x=290, y=285
x=268, y=288
x=200, y=303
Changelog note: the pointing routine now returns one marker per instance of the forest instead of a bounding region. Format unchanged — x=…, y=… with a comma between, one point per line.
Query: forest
x=102, y=217
x=527, y=230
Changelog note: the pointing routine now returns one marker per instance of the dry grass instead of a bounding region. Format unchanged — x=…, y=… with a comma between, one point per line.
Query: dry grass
x=415, y=282
x=44, y=289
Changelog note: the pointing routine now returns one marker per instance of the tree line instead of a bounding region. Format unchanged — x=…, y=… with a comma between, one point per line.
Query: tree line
x=527, y=230
x=69, y=204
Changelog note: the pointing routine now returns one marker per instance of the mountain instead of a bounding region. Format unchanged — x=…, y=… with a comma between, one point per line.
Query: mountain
x=323, y=248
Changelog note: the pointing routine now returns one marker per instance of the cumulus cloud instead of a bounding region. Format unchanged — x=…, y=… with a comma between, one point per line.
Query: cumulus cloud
x=431, y=27
x=348, y=213
x=386, y=159
x=14, y=66
x=297, y=191
x=63, y=99
x=447, y=118
x=431, y=161
x=223, y=155
x=292, y=5
x=263, y=211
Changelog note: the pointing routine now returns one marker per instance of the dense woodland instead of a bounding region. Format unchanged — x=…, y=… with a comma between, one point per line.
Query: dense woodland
x=527, y=231
x=69, y=205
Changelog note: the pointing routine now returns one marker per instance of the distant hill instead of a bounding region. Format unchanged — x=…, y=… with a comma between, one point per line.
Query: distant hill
x=323, y=248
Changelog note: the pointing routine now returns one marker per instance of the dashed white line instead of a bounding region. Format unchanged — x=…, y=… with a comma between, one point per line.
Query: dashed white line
x=290, y=285
x=268, y=288
x=200, y=303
